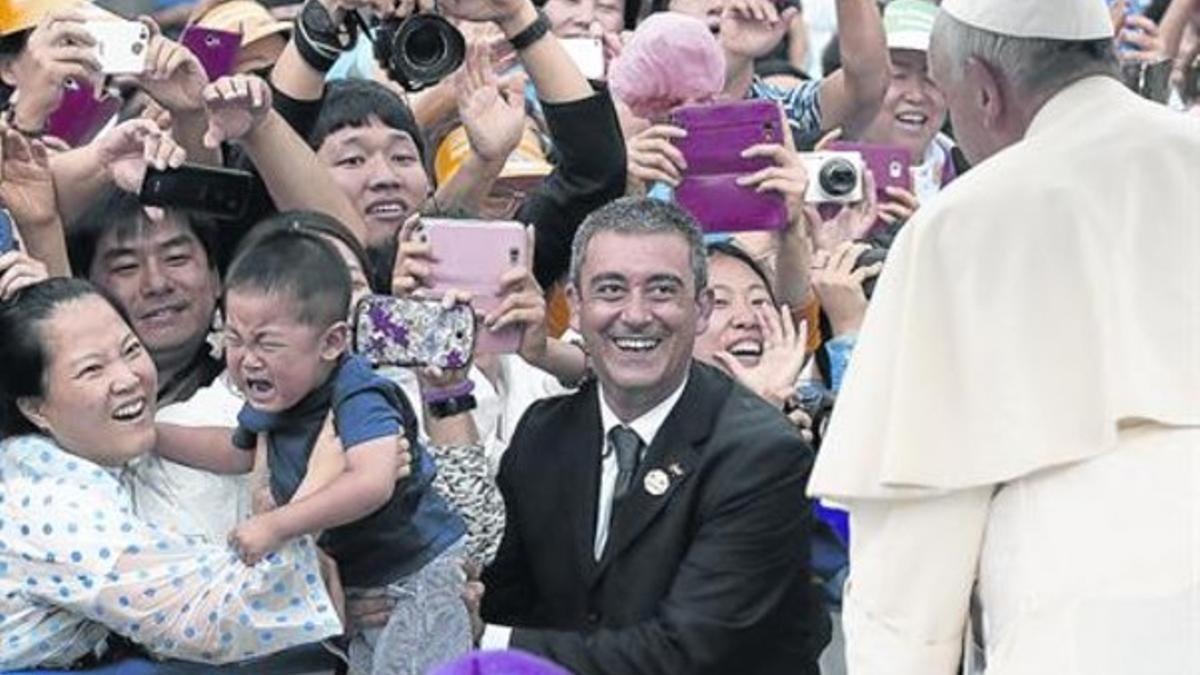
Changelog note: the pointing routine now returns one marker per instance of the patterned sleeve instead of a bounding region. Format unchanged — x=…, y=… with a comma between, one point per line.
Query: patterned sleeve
x=464, y=479
x=81, y=549
x=801, y=104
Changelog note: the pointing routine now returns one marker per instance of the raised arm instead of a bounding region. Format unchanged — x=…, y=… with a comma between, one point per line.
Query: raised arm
x=851, y=96
x=240, y=110
x=208, y=448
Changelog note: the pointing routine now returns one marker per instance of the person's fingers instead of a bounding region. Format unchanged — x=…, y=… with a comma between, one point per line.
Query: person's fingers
x=256, y=94
x=787, y=325
x=74, y=54
x=866, y=272
x=655, y=161
x=649, y=175
x=409, y=228
x=667, y=149
x=532, y=316
x=833, y=135
x=663, y=131
x=778, y=154
x=757, y=178
x=1143, y=23
x=730, y=363
x=905, y=197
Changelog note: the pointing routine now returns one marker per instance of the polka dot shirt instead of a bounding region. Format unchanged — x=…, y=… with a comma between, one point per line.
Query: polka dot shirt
x=76, y=564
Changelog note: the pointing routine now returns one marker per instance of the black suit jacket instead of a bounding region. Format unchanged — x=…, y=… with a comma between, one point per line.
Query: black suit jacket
x=710, y=577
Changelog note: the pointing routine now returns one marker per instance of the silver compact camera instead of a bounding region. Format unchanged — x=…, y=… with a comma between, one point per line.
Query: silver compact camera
x=835, y=177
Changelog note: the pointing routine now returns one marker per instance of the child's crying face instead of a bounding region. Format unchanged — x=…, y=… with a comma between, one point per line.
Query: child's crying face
x=274, y=357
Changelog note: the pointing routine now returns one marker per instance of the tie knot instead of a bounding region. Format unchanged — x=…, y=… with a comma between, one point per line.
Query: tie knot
x=627, y=444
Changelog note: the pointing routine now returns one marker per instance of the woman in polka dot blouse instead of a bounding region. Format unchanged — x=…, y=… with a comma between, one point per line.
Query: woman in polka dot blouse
x=76, y=565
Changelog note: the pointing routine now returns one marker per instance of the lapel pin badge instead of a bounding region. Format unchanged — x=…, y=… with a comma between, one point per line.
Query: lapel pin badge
x=657, y=482
x=675, y=469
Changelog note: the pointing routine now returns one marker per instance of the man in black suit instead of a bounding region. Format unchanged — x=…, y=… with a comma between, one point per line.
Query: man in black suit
x=656, y=521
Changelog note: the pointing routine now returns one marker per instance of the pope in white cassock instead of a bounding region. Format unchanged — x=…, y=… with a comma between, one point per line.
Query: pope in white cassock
x=1020, y=426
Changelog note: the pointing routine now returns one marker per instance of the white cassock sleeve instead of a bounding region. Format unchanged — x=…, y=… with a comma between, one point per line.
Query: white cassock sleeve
x=913, y=567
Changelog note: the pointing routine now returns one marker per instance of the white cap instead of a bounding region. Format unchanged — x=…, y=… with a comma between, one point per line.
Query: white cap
x=1047, y=19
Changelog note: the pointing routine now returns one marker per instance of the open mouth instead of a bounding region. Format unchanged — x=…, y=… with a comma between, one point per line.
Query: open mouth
x=387, y=209
x=912, y=120
x=258, y=388
x=748, y=349
x=637, y=345
x=130, y=412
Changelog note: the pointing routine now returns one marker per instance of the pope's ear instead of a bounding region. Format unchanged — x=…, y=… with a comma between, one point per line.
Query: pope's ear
x=987, y=94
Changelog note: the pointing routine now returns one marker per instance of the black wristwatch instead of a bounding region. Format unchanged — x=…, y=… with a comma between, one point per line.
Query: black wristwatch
x=532, y=33
x=452, y=406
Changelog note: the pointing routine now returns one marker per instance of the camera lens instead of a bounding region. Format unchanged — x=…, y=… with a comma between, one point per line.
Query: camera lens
x=425, y=48
x=421, y=51
x=838, y=177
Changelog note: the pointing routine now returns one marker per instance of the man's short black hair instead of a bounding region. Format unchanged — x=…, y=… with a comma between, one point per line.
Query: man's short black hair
x=352, y=102
x=289, y=261
x=122, y=212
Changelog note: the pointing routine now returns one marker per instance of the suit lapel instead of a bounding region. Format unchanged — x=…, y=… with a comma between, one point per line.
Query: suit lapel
x=580, y=474
x=669, y=463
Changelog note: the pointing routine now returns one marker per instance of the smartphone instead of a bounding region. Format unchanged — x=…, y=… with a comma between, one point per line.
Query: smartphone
x=407, y=332
x=8, y=236
x=889, y=164
x=81, y=115
x=217, y=50
x=121, y=46
x=224, y=193
x=717, y=134
x=588, y=55
x=471, y=256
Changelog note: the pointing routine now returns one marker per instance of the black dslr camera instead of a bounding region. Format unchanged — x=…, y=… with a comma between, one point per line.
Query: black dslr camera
x=418, y=51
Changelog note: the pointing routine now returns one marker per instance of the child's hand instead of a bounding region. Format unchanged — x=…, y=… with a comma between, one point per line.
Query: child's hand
x=254, y=539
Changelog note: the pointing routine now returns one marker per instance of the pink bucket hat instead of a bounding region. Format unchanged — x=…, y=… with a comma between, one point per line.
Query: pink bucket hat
x=672, y=59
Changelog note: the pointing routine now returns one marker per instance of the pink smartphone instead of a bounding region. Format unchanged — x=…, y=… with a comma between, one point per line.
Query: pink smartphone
x=216, y=49
x=888, y=164
x=471, y=256
x=80, y=115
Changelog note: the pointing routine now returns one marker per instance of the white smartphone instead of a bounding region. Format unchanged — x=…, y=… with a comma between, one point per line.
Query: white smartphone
x=120, y=46
x=588, y=55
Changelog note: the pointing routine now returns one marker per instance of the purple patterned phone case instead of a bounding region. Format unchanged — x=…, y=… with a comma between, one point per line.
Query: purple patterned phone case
x=717, y=135
x=391, y=331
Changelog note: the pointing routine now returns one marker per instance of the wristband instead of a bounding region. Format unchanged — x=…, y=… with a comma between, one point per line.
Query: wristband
x=318, y=39
x=532, y=33
x=452, y=406
x=439, y=394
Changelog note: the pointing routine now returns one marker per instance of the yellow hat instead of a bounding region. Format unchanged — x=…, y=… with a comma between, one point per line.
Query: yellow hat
x=247, y=17
x=526, y=162
x=19, y=15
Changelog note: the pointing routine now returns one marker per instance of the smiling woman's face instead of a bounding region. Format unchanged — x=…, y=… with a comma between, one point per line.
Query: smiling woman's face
x=98, y=400
x=734, y=327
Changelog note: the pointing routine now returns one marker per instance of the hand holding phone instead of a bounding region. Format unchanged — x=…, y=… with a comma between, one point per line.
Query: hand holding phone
x=217, y=50
x=717, y=137
x=120, y=45
x=409, y=332
x=472, y=256
x=224, y=193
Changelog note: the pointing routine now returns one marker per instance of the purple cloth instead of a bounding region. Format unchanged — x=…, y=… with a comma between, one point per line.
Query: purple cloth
x=510, y=662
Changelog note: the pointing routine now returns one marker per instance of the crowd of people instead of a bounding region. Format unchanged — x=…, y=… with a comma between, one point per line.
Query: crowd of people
x=949, y=423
